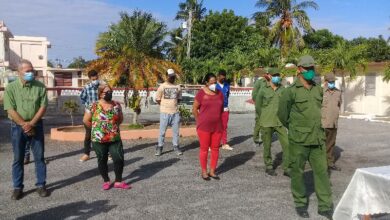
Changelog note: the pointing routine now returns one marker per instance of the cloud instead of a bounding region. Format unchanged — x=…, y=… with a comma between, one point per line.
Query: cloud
x=72, y=26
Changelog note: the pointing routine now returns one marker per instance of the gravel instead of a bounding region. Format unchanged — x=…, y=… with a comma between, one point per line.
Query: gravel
x=170, y=187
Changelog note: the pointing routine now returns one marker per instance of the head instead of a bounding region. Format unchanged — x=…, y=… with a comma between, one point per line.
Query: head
x=221, y=77
x=26, y=71
x=210, y=81
x=330, y=80
x=93, y=75
x=171, y=76
x=105, y=92
x=276, y=79
x=306, y=68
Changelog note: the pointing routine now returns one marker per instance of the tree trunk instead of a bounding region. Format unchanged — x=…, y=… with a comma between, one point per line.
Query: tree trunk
x=71, y=118
x=343, y=89
x=135, y=118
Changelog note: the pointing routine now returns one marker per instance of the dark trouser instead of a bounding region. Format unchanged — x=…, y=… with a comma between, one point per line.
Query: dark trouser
x=116, y=151
x=316, y=155
x=27, y=150
x=87, y=140
x=331, y=134
x=19, y=142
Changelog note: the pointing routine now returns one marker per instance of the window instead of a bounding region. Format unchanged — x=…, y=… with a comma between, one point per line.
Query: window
x=370, y=84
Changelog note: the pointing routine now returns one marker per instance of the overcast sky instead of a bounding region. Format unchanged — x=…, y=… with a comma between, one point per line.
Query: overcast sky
x=72, y=26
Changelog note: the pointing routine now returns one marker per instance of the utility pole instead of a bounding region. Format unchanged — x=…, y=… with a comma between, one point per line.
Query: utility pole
x=189, y=33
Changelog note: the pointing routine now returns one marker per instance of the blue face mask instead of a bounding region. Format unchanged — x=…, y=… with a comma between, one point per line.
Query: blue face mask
x=331, y=85
x=276, y=80
x=28, y=76
x=309, y=75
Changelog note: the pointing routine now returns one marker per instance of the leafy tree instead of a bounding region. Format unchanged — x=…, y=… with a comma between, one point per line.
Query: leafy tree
x=71, y=107
x=50, y=64
x=377, y=48
x=131, y=51
x=78, y=62
x=321, y=39
x=175, y=48
x=290, y=20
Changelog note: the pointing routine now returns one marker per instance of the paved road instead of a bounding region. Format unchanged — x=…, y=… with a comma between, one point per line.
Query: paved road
x=170, y=187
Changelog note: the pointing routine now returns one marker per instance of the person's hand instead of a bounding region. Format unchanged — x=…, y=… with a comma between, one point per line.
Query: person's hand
x=27, y=127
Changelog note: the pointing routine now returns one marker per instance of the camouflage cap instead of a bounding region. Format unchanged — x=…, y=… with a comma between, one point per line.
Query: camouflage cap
x=306, y=61
x=330, y=77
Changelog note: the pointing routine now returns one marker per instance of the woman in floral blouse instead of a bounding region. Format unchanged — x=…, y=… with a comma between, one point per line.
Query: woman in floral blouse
x=105, y=117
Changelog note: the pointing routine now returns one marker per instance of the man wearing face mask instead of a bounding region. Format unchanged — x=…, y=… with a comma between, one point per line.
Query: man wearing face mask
x=268, y=102
x=168, y=95
x=260, y=83
x=330, y=115
x=25, y=101
x=88, y=96
x=300, y=112
x=224, y=87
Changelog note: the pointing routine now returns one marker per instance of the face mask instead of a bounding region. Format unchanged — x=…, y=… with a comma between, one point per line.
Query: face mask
x=108, y=96
x=309, y=75
x=95, y=82
x=28, y=76
x=331, y=85
x=276, y=80
x=212, y=87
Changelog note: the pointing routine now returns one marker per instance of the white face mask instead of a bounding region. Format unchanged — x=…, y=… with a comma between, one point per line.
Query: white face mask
x=212, y=87
x=95, y=82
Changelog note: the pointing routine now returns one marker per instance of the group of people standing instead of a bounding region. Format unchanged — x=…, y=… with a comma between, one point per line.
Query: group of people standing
x=303, y=115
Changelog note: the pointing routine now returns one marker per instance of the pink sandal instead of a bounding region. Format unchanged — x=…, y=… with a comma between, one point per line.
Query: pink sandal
x=106, y=185
x=121, y=185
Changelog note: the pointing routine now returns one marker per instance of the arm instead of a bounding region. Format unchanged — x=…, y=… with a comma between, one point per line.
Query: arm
x=10, y=107
x=42, y=109
x=284, y=109
x=259, y=101
x=83, y=96
x=255, y=89
x=87, y=119
x=195, y=109
x=159, y=94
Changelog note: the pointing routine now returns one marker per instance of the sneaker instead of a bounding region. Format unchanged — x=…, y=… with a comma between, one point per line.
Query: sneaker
x=177, y=150
x=17, y=194
x=158, y=151
x=106, y=185
x=26, y=160
x=42, y=191
x=121, y=185
x=334, y=168
x=227, y=147
x=84, y=158
x=271, y=172
x=302, y=212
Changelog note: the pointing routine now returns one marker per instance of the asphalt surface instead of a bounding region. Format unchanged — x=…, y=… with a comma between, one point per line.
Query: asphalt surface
x=170, y=187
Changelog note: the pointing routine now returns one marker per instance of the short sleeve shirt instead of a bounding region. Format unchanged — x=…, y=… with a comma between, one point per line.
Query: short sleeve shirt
x=210, y=111
x=168, y=94
x=26, y=99
x=105, y=123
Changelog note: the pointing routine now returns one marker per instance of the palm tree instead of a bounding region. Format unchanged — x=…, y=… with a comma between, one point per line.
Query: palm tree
x=198, y=10
x=130, y=52
x=175, y=49
x=290, y=19
x=346, y=60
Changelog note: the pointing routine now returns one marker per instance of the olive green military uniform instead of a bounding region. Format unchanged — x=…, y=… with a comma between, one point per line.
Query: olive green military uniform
x=268, y=102
x=256, y=88
x=300, y=112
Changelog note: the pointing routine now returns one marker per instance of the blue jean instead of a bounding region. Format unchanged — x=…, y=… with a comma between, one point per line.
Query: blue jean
x=19, y=141
x=27, y=150
x=172, y=120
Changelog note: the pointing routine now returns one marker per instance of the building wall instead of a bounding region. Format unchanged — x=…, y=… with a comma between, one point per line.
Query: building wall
x=33, y=49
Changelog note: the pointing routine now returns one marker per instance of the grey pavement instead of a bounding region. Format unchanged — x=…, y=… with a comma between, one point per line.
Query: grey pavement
x=170, y=187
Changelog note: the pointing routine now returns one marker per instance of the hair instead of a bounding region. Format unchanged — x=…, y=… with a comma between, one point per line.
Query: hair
x=92, y=73
x=222, y=72
x=24, y=61
x=101, y=88
x=207, y=77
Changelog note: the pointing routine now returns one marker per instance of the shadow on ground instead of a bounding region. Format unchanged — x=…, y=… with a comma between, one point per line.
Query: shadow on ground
x=74, y=210
x=239, y=139
x=149, y=170
x=235, y=161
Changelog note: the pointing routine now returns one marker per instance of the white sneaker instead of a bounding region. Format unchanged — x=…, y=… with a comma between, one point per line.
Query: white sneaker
x=227, y=147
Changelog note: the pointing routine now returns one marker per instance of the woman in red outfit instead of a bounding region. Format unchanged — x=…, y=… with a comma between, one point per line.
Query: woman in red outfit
x=207, y=109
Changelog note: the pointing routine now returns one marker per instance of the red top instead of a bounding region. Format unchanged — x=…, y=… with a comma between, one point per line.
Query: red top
x=210, y=111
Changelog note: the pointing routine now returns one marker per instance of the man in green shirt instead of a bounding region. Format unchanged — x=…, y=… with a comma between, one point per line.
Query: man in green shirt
x=25, y=101
x=256, y=88
x=300, y=112
x=268, y=101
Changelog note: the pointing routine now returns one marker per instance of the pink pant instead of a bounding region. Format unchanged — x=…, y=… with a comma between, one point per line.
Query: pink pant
x=206, y=140
x=225, y=120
